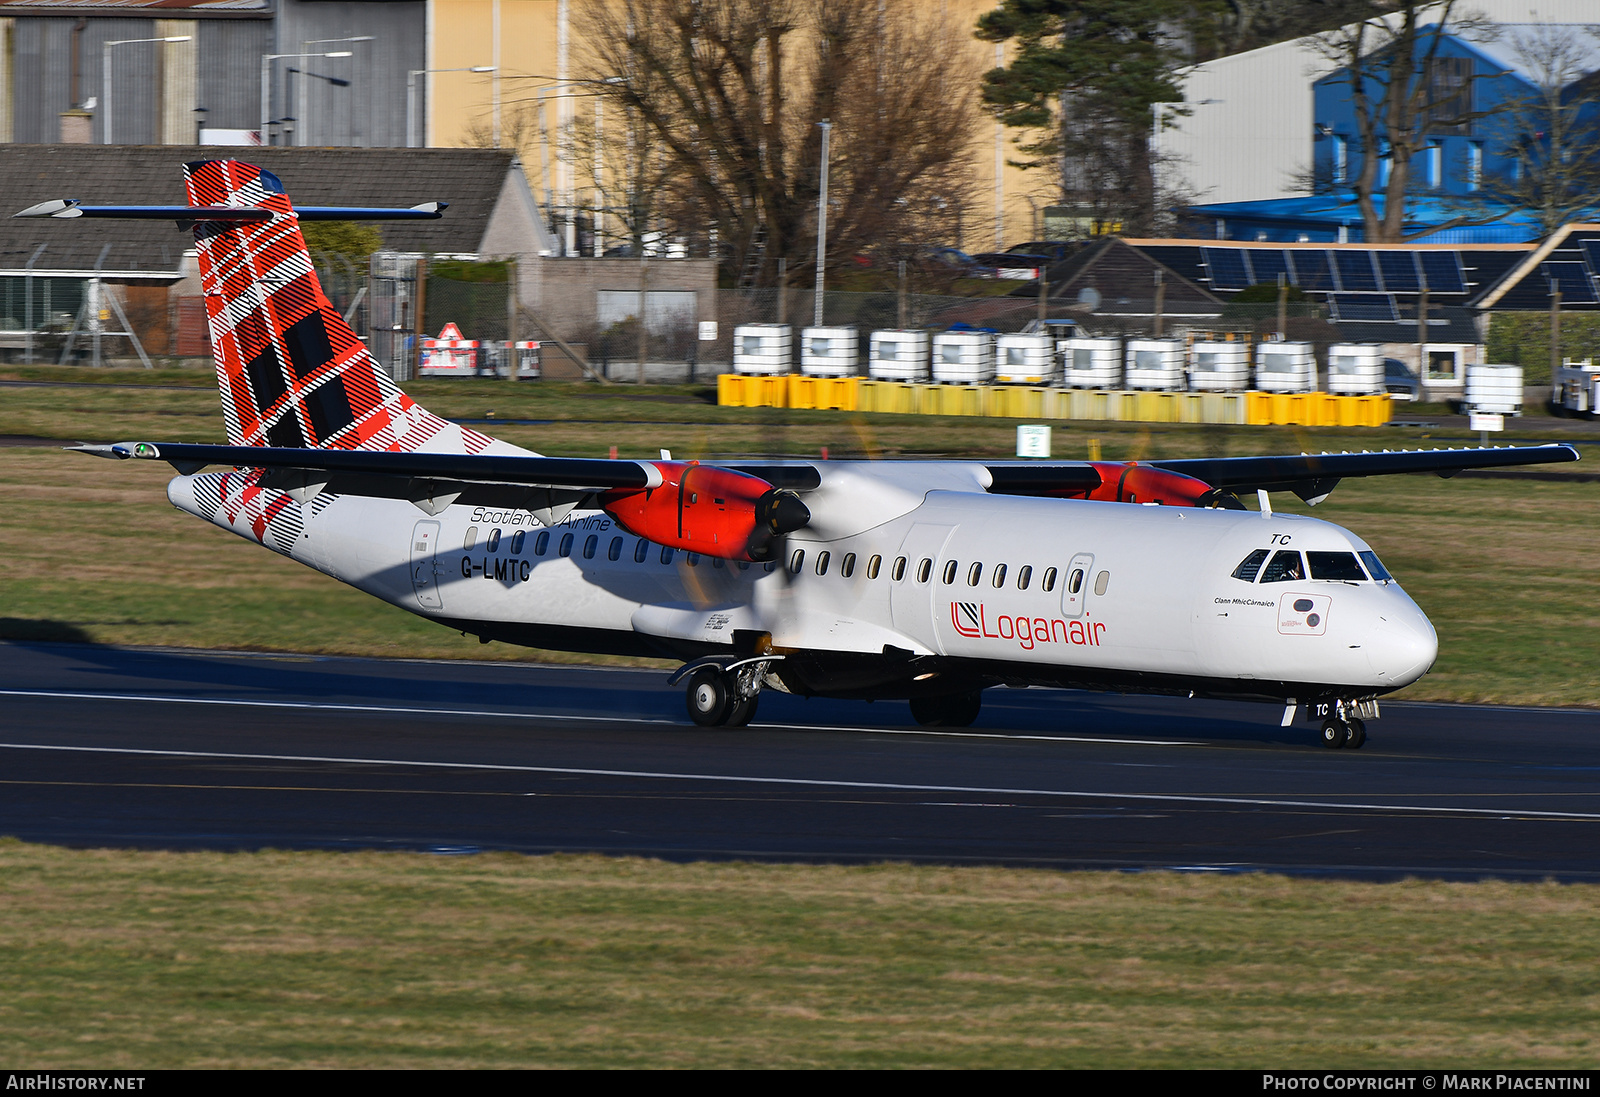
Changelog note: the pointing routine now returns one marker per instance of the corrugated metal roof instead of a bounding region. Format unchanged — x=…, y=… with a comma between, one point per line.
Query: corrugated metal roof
x=471, y=180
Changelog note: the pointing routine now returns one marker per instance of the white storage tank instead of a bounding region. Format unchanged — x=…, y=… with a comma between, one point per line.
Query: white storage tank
x=898, y=354
x=1025, y=359
x=963, y=357
x=829, y=352
x=1090, y=363
x=1219, y=367
x=1155, y=364
x=762, y=348
x=1355, y=369
x=1286, y=367
x=1493, y=390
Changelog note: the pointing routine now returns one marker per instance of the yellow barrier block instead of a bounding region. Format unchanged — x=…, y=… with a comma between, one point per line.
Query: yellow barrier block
x=1258, y=408
x=959, y=399
x=830, y=393
x=730, y=393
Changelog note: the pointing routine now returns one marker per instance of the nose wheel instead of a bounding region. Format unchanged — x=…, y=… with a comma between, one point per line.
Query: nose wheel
x=1351, y=733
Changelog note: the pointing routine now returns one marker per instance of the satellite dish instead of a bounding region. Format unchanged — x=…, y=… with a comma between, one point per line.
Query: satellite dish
x=1089, y=297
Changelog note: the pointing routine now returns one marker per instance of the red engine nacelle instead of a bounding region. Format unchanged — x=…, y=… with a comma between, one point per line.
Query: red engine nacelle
x=710, y=510
x=1131, y=482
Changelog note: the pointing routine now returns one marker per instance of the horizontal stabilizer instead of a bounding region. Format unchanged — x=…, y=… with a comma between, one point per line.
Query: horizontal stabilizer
x=235, y=215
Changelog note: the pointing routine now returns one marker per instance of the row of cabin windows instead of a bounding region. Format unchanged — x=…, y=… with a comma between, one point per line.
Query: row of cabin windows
x=950, y=573
x=591, y=547
x=1286, y=566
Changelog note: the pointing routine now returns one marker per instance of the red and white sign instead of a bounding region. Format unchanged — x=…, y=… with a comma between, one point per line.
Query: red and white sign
x=449, y=355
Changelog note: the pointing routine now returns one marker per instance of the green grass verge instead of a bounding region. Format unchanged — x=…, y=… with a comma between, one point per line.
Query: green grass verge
x=144, y=960
x=1501, y=566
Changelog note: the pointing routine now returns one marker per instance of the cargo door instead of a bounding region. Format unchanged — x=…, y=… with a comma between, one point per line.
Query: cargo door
x=424, y=565
x=911, y=597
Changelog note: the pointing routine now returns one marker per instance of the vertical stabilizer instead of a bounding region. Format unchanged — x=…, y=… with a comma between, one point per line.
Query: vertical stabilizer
x=290, y=370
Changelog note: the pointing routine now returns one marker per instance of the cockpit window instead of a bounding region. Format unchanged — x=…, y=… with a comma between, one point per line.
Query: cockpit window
x=1250, y=565
x=1284, y=567
x=1335, y=565
x=1374, y=568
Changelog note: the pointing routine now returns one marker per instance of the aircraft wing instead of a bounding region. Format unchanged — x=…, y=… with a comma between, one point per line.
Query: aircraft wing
x=67, y=208
x=1313, y=475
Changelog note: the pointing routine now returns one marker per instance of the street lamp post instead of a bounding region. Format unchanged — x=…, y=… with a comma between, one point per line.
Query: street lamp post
x=411, y=97
x=266, y=83
x=302, y=129
x=822, y=220
x=105, y=78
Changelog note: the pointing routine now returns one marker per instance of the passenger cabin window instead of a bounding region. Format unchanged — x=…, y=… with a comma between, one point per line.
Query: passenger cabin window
x=822, y=562
x=590, y=543
x=493, y=544
x=950, y=569
x=565, y=548
x=517, y=539
x=666, y=554
x=974, y=573
x=1075, y=581
x=1284, y=567
x=1374, y=568
x=1251, y=565
x=999, y=576
x=693, y=559
x=541, y=543
x=1049, y=582
x=718, y=562
x=1102, y=581
x=873, y=565
x=640, y=551
x=797, y=561
x=899, y=571
x=1335, y=565
x=847, y=566
x=1024, y=576
x=924, y=569
x=470, y=539
x=614, y=550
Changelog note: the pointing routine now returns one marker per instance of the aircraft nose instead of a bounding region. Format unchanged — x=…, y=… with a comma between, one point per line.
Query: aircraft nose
x=1402, y=647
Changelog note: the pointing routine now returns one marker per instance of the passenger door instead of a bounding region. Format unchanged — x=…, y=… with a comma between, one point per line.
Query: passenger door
x=911, y=599
x=424, y=565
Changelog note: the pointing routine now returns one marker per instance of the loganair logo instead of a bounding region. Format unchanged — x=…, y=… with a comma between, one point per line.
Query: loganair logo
x=971, y=619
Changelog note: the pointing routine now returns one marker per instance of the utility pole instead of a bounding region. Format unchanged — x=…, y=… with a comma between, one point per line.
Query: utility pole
x=822, y=222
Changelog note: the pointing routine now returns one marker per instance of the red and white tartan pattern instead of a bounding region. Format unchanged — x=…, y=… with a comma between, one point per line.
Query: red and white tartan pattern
x=290, y=370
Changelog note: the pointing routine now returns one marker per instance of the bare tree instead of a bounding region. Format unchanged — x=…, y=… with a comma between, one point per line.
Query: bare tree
x=1401, y=92
x=720, y=101
x=1552, y=134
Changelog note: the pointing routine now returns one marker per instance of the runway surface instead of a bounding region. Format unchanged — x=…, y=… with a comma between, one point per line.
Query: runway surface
x=104, y=746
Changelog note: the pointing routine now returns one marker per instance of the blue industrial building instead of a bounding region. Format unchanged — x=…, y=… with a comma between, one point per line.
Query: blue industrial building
x=1473, y=136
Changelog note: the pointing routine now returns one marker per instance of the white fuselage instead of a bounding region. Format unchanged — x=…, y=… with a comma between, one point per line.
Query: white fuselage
x=1113, y=592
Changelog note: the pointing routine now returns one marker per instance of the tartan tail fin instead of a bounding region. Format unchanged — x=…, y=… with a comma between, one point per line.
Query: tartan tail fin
x=290, y=371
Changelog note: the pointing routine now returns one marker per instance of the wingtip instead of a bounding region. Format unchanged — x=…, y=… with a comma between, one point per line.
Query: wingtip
x=56, y=207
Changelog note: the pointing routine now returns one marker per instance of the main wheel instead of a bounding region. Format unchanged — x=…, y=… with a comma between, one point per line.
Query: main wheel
x=1357, y=736
x=741, y=712
x=1334, y=733
x=952, y=711
x=708, y=697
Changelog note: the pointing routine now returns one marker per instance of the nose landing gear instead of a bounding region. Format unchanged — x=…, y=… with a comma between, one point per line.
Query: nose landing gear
x=1342, y=727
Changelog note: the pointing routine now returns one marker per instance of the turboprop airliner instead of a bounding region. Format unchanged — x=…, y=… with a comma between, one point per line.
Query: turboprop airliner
x=929, y=581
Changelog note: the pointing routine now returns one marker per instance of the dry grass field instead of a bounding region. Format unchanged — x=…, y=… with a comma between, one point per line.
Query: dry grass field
x=142, y=960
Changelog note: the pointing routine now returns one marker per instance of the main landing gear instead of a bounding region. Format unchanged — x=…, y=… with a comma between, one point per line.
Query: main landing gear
x=957, y=710
x=720, y=694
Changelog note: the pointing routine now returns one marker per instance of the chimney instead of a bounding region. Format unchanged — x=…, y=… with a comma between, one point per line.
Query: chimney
x=77, y=127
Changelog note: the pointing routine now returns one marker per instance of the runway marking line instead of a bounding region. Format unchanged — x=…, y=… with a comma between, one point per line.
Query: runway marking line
x=403, y=710
x=811, y=782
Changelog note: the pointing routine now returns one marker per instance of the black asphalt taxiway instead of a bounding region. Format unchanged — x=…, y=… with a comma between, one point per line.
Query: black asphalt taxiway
x=113, y=747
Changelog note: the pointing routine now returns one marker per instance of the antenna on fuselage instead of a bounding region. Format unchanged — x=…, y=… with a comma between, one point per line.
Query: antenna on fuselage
x=1266, y=502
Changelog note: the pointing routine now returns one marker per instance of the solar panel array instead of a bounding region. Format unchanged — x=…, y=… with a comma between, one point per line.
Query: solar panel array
x=1363, y=306
x=1574, y=280
x=1342, y=271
